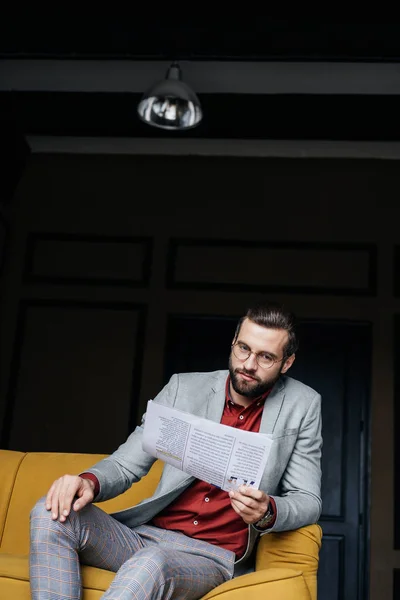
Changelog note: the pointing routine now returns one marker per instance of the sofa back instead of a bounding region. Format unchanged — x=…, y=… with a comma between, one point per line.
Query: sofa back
x=26, y=477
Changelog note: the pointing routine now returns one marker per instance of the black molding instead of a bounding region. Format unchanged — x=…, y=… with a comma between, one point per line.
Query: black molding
x=4, y=248
x=340, y=540
x=176, y=243
x=396, y=584
x=363, y=363
x=396, y=429
x=396, y=271
x=24, y=305
x=33, y=238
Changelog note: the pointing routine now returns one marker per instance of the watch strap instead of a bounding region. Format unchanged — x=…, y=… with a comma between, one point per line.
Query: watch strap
x=266, y=519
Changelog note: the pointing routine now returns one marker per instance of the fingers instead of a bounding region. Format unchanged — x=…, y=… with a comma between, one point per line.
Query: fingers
x=49, y=497
x=85, y=497
x=54, y=500
x=67, y=493
x=236, y=507
x=61, y=495
x=250, y=504
x=248, y=514
x=249, y=497
x=244, y=509
x=250, y=492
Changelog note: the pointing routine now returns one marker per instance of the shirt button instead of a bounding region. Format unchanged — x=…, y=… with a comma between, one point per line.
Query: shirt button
x=206, y=499
x=195, y=522
x=241, y=417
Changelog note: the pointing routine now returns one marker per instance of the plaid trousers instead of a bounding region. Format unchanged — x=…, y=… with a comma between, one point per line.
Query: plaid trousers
x=150, y=563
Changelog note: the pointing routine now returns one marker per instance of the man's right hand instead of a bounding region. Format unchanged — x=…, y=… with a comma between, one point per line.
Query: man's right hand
x=62, y=493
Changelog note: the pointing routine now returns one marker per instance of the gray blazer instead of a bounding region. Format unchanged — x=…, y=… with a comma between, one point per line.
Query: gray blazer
x=292, y=417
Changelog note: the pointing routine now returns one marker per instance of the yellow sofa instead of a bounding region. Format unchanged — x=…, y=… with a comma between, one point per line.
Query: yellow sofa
x=286, y=563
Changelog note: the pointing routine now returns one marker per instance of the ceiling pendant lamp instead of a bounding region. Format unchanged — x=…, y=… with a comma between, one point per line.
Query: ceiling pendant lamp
x=170, y=103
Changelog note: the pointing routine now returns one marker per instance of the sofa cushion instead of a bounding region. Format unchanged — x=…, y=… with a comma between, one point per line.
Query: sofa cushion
x=14, y=578
x=15, y=566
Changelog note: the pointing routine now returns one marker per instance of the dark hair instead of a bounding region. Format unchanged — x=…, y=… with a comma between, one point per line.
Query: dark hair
x=273, y=316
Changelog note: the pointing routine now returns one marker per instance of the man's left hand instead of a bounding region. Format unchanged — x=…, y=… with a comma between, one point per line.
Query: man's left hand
x=250, y=504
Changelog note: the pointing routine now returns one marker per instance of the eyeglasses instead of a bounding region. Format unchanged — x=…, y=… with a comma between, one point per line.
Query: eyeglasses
x=264, y=360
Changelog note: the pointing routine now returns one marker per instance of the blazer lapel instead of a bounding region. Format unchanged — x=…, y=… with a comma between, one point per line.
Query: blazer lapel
x=270, y=416
x=272, y=408
x=216, y=398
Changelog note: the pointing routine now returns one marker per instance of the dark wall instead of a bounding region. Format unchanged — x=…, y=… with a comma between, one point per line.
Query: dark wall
x=106, y=251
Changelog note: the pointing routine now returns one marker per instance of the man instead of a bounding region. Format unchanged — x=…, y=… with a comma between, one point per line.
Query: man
x=191, y=536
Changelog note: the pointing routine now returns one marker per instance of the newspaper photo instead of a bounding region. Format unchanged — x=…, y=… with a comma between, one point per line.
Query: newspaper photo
x=218, y=454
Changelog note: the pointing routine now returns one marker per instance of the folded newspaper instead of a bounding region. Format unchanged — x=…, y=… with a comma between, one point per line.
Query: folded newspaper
x=218, y=454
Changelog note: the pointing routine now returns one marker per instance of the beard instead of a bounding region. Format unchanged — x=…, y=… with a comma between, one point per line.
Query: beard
x=250, y=389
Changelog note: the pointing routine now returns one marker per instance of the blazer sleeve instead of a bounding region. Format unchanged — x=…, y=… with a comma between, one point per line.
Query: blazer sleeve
x=129, y=463
x=299, y=502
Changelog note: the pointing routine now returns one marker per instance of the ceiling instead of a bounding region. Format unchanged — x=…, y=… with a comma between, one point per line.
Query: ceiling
x=257, y=77
x=66, y=34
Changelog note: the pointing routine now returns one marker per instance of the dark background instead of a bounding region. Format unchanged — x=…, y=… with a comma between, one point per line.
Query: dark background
x=62, y=316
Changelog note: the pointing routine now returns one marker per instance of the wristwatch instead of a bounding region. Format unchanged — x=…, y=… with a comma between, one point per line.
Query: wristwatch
x=266, y=519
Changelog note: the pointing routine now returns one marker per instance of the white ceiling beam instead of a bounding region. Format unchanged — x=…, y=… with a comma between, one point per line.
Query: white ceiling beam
x=204, y=76
x=209, y=147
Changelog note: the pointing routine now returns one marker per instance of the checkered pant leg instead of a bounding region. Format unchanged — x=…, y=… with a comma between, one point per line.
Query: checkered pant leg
x=171, y=566
x=54, y=547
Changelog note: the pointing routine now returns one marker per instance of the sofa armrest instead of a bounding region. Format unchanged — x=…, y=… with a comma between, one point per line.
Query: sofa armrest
x=297, y=549
x=274, y=584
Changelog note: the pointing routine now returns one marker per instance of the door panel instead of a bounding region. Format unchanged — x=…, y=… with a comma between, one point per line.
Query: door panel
x=333, y=358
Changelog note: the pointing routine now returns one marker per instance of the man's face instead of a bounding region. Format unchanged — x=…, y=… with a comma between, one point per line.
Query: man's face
x=247, y=377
